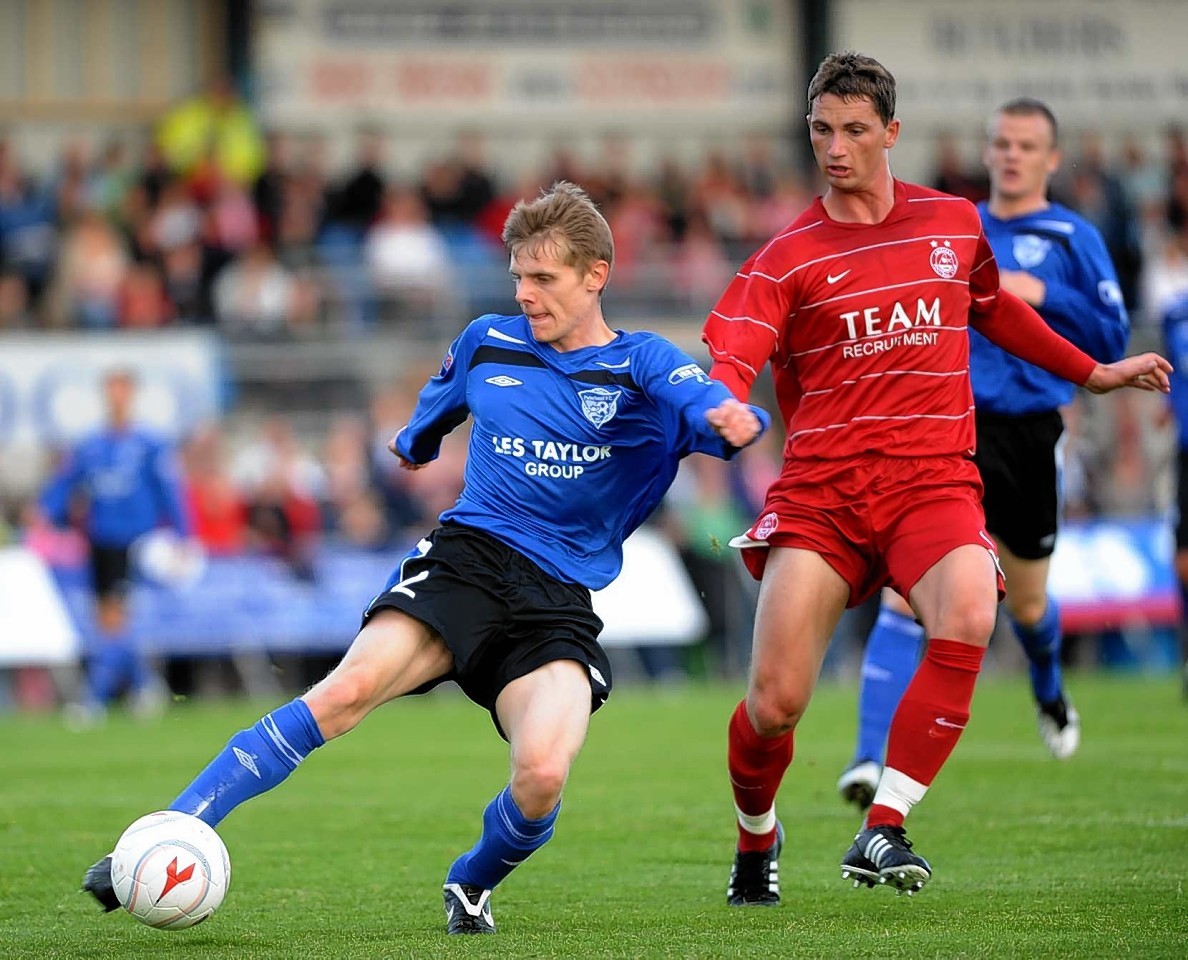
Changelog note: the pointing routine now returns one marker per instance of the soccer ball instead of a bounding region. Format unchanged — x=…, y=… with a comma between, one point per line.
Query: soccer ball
x=170, y=870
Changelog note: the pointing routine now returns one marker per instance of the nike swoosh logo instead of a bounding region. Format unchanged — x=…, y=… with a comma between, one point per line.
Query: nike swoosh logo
x=614, y=366
x=942, y=722
x=832, y=279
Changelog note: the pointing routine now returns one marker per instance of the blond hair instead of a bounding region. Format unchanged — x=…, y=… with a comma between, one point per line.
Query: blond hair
x=563, y=218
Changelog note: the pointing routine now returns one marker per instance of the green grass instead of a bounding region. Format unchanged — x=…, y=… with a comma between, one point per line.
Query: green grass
x=1033, y=858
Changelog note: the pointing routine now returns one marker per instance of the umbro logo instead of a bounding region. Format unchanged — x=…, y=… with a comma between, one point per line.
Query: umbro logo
x=833, y=278
x=248, y=761
x=503, y=380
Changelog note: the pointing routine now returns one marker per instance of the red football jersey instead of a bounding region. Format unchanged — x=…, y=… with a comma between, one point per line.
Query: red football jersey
x=865, y=326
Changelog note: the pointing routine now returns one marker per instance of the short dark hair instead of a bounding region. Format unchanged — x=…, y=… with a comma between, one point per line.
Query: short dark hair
x=852, y=76
x=1030, y=107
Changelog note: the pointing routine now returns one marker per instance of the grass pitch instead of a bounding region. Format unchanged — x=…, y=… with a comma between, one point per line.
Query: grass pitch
x=1032, y=858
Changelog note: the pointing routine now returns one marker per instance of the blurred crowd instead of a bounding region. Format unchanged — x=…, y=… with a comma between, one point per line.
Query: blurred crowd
x=212, y=222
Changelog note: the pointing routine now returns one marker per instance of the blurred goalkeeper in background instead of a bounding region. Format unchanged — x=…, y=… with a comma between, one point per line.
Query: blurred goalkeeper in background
x=577, y=433
x=1057, y=262
x=128, y=478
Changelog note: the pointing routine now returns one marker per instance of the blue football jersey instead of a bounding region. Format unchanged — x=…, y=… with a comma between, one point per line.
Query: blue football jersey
x=1175, y=335
x=1082, y=302
x=130, y=479
x=569, y=452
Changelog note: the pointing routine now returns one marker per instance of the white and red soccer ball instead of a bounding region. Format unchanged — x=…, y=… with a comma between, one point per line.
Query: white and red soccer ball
x=170, y=870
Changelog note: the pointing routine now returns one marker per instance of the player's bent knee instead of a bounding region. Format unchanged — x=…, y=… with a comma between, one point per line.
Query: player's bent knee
x=773, y=716
x=971, y=623
x=1029, y=612
x=537, y=785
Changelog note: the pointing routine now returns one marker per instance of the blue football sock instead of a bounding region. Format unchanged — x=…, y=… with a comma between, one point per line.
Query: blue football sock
x=892, y=652
x=255, y=760
x=110, y=669
x=1042, y=643
x=508, y=839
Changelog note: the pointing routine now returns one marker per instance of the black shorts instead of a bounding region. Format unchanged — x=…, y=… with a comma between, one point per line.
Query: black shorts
x=109, y=570
x=1016, y=457
x=500, y=614
x=1182, y=501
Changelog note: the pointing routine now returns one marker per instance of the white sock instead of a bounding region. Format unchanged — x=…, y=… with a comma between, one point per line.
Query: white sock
x=899, y=791
x=763, y=823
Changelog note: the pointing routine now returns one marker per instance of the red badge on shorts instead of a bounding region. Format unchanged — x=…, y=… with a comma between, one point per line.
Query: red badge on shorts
x=766, y=526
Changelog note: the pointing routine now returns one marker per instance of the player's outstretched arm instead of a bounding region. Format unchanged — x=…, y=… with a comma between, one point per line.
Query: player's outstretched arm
x=1145, y=371
x=735, y=422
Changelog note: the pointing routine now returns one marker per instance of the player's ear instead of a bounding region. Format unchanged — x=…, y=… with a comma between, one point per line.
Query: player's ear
x=597, y=275
x=1054, y=159
x=892, y=133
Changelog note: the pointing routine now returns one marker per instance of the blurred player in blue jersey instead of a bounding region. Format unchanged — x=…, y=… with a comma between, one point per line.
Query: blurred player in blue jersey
x=1057, y=262
x=577, y=431
x=1175, y=333
x=129, y=479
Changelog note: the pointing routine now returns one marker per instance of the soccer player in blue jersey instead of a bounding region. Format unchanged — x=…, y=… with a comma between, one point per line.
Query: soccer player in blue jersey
x=1056, y=261
x=129, y=479
x=577, y=431
x=1175, y=335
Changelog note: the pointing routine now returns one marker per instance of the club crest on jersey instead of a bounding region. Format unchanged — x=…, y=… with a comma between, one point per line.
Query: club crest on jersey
x=766, y=526
x=446, y=363
x=943, y=260
x=599, y=405
x=1030, y=250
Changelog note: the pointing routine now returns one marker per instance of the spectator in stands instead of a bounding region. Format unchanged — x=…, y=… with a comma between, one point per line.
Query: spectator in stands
x=214, y=125
x=407, y=260
x=357, y=201
x=1098, y=195
x=142, y=303
x=701, y=264
x=352, y=206
x=1165, y=276
x=14, y=302
x=282, y=485
x=255, y=296
x=92, y=267
x=231, y=224
x=303, y=201
x=216, y=507
x=268, y=192
x=457, y=188
x=953, y=175
x=283, y=523
x=1144, y=182
x=129, y=479
x=28, y=227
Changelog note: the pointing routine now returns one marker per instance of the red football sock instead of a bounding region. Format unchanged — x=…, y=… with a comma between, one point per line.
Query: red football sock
x=926, y=726
x=757, y=766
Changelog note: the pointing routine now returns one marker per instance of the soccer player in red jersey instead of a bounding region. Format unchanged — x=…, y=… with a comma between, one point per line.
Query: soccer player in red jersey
x=861, y=306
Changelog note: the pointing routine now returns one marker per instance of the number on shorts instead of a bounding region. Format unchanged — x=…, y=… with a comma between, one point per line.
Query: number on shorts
x=404, y=585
